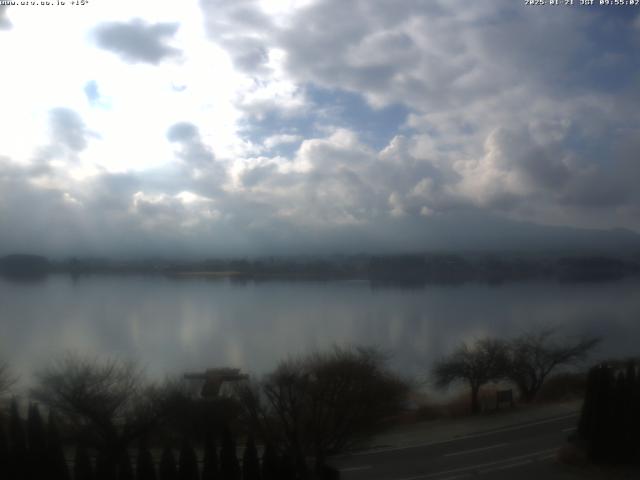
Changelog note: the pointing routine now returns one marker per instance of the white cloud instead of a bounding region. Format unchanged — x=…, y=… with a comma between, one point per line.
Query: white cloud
x=207, y=127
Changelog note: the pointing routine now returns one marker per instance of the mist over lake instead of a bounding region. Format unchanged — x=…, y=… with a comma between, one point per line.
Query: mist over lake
x=174, y=325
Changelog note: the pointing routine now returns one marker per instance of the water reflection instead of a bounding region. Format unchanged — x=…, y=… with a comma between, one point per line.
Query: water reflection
x=175, y=325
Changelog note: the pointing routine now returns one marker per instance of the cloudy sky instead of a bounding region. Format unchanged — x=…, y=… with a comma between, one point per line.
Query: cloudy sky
x=218, y=127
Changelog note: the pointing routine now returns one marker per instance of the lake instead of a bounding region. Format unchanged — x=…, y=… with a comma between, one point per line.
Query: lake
x=174, y=325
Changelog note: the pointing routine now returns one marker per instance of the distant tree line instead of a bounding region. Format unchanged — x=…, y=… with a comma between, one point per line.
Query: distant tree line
x=526, y=361
x=414, y=269
x=610, y=418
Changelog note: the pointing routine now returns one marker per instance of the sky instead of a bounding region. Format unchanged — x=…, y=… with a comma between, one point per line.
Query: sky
x=253, y=127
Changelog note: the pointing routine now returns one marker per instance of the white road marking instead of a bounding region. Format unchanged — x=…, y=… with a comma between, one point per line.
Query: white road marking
x=473, y=450
x=355, y=469
x=569, y=429
x=505, y=467
x=510, y=460
x=465, y=437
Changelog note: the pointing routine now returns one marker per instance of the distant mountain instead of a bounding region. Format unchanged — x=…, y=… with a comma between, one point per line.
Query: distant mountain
x=469, y=231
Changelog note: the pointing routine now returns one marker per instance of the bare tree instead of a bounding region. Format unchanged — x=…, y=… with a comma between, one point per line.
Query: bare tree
x=534, y=355
x=7, y=380
x=476, y=364
x=109, y=399
x=324, y=403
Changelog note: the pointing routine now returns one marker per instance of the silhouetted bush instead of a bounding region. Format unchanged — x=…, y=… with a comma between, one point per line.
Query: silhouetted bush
x=82, y=468
x=563, y=386
x=324, y=403
x=250, y=462
x=168, y=470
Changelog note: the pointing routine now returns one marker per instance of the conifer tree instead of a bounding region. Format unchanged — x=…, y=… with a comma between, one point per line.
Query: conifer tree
x=586, y=423
x=168, y=470
x=145, y=467
x=36, y=434
x=105, y=466
x=188, y=462
x=600, y=439
x=286, y=470
x=229, y=466
x=6, y=466
x=210, y=469
x=18, y=441
x=619, y=417
x=82, y=468
x=269, y=463
x=125, y=470
x=250, y=463
x=57, y=463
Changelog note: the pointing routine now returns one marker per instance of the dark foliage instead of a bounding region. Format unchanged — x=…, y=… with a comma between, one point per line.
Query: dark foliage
x=17, y=434
x=57, y=463
x=609, y=418
x=7, y=466
x=286, y=468
x=250, y=462
x=82, y=468
x=168, y=470
x=210, y=469
x=229, y=466
x=188, y=462
x=106, y=467
x=37, y=443
x=145, y=467
x=125, y=470
x=269, y=463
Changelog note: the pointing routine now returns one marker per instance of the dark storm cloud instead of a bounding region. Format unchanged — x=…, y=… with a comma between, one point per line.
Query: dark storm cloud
x=138, y=41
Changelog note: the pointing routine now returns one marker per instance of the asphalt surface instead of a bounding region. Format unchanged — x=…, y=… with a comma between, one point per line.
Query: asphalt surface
x=525, y=451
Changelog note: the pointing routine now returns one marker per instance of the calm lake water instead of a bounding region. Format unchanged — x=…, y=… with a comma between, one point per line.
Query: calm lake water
x=171, y=325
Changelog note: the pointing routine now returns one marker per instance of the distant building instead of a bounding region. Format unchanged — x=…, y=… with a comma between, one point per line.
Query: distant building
x=208, y=384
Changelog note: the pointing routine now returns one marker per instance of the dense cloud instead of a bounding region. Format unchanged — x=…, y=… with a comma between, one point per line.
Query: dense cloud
x=138, y=41
x=68, y=129
x=362, y=126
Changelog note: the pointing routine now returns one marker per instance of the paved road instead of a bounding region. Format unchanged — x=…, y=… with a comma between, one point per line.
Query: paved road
x=521, y=451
